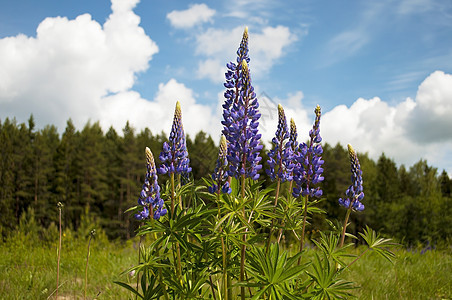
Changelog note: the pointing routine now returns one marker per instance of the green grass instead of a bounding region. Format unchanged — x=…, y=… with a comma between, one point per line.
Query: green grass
x=28, y=271
x=412, y=276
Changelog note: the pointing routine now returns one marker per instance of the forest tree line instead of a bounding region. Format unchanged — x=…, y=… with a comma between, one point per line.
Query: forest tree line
x=105, y=171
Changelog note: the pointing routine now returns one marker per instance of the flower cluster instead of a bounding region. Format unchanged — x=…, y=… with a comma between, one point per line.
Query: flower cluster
x=175, y=155
x=355, y=191
x=282, y=153
x=308, y=170
x=241, y=117
x=220, y=174
x=293, y=135
x=150, y=193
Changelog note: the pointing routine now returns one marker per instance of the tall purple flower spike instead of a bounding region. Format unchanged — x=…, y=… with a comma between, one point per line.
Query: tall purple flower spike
x=241, y=117
x=220, y=174
x=150, y=193
x=308, y=171
x=241, y=131
x=355, y=191
x=175, y=155
x=282, y=153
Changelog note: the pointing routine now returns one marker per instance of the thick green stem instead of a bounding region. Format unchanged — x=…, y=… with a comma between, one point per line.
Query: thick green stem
x=273, y=219
x=305, y=215
x=139, y=254
x=223, y=251
x=225, y=272
x=180, y=197
x=178, y=263
x=243, y=250
x=289, y=194
x=349, y=210
x=172, y=194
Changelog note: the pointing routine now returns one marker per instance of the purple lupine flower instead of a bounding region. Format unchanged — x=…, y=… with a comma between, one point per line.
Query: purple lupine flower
x=150, y=193
x=234, y=77
x=240, y=129
x=175, y=155
x=355, y=191
x=293, y=135
x=220, y=174
x=282, y=153
x=308, y=171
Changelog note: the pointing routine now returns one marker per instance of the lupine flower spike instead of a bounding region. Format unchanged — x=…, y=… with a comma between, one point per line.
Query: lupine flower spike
x=309, y=156
x=150, y=193
x=308, y=171
x=282, y=153
x=293, y=145
x=175, y=155
x=241, y=117
x=241, y=132
x=220, y=174
x=281, y=157
x=293, y=135
x=354, y=192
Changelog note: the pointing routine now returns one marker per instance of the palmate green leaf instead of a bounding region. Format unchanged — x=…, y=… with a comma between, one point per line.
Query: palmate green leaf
x=328, y=245
x=273, y=272
x=326, y=283
x=378, y=244
x=193, y=281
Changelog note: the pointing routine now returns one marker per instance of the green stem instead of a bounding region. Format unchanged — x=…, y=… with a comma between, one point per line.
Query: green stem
x=349, y=210
x=305, y=215
x=225, y=272
x=172, y=195
x=139, y=255
x=178, y=260
x=273, y=219
x=59, y=253
x=223, y=251
x=289, y=194
x=86, y=267
x=243, y=250
x=357, y=258
x=180, y=197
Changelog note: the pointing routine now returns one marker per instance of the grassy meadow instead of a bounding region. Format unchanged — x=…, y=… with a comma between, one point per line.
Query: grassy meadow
x=28, y=270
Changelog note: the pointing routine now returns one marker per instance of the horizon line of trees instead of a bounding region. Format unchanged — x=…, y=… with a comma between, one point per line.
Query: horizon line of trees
x=104, y=172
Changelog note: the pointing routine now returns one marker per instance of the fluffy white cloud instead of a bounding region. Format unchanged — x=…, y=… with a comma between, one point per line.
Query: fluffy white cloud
x=195, y=15
x=158, y=114
x=431, y=121
x=71, y=65
x=217, y=46
x=83, y=70
x=411, y=130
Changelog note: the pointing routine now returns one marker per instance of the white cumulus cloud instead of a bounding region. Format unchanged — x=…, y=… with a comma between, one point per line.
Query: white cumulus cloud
x=66, y=70
x=218, y=46
x=406, y=132
x=196, y=14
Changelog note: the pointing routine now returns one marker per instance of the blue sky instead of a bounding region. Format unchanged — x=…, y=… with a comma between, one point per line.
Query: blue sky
x=380, y=70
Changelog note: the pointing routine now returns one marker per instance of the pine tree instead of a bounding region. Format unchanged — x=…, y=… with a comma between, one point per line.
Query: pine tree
x=110, y=219
x=67, y=168
x=7, y=220
x=44, y=145
x=203, y=154
x=133, y=169
x=93, y=165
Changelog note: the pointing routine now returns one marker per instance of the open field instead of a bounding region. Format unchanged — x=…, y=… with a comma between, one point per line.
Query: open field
x=28, y=271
